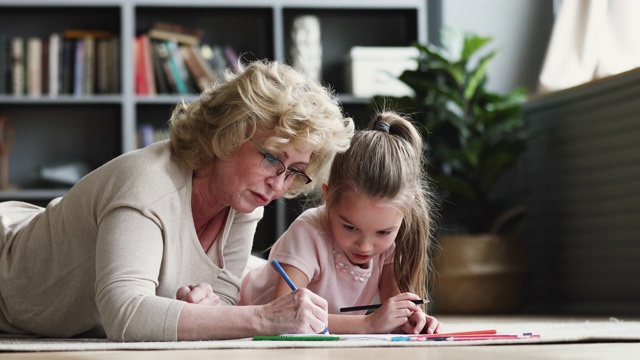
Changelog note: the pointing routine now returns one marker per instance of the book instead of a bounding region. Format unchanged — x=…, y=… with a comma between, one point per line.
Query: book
x=232, y=57
x=44, y=74
x=148, y=65
x=82, y=34
x=178, y=68
x=198, y=73
x=145, y=135
x=5, y=60
x=34, y=66
x=215, y=57
x=181, y=38
x=89, y=65
x=176, y=28
x=67, y=64
x=102, y=66
x=205, y=64
x=148, y=134
x=140, y=77
x=160, y=50
x=78, y=69
x=17, y=66
x=159, y=77
x=54, y=64
x=113, y=65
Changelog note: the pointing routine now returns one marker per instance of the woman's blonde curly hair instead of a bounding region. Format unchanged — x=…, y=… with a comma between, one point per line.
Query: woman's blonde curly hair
x=262, y=97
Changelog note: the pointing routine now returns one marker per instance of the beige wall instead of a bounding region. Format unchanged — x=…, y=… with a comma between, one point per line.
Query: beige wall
x=520, y=28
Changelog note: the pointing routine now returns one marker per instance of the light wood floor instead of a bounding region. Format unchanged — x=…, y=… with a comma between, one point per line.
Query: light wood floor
x=594, y=351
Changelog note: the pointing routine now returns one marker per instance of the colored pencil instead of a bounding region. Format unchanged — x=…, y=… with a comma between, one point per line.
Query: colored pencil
x=286, y=278
x=375, y=306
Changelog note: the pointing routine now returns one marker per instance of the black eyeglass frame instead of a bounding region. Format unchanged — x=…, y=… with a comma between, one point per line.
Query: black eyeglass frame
x=283, y=169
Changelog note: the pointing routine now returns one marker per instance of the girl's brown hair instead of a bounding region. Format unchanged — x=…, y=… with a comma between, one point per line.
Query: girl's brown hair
x=386, y=162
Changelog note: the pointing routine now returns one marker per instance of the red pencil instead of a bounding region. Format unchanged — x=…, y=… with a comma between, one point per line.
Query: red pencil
x=493, y=337
x=483, y=337
x=472, y=332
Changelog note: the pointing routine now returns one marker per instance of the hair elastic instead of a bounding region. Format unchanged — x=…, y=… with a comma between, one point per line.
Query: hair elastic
x=382, y=126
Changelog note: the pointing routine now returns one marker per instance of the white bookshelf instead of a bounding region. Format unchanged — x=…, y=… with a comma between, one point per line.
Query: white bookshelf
x=98, y=128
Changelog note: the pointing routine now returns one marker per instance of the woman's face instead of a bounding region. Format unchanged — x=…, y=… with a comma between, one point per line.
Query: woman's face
x=241, y=181
x=363, y=227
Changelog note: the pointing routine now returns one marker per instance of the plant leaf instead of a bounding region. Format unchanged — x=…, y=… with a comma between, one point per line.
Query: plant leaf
x=472, y=43
x=477, y=75
x=428, y=52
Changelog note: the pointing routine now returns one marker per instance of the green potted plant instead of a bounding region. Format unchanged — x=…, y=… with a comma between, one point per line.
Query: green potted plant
x=472, y=136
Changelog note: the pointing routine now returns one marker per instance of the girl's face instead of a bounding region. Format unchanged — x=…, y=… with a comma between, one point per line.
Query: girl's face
x=363, y=227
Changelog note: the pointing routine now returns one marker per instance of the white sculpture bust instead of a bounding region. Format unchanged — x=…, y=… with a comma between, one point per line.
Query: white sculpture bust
x=306, y=48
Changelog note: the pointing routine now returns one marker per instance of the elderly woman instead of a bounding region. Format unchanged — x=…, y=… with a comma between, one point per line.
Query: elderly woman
x=151, y=246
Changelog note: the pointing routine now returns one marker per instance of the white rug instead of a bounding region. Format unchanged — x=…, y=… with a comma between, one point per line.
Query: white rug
x=550, y=332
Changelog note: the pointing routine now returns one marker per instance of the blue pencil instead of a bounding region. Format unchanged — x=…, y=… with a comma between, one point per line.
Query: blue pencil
x=284, y=275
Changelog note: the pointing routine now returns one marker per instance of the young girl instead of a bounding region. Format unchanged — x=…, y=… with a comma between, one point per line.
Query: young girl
x=369, y=238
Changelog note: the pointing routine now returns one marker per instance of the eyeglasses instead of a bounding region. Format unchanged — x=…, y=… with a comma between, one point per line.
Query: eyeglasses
x=272, y=166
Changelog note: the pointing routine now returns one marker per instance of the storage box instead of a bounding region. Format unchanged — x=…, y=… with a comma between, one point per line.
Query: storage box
x=375, y=70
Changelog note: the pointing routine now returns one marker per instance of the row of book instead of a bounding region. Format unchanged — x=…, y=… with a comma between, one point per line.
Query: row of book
x=170, y=59
x=71, y=62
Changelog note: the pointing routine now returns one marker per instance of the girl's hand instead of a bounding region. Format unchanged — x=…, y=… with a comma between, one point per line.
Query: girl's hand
x=397, y=314
x=421, y=323
x=415, y=323
x=300, y=312
x=433, y=326
x=201, y=294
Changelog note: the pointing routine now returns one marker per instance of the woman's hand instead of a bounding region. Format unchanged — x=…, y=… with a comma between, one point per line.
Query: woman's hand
x=300, y=312
x=201, y=294
x=397, y=314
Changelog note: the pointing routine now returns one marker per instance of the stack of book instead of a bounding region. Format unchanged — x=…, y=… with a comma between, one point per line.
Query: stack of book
x=71, y=62
x=170, y=59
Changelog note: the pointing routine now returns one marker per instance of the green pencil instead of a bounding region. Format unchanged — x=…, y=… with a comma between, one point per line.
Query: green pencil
x=294, y=337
